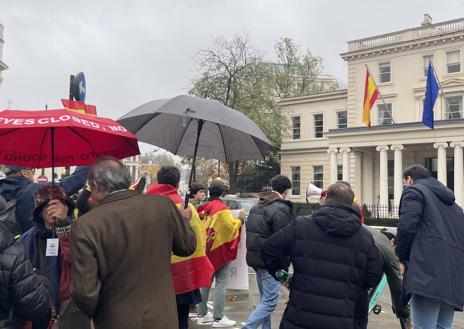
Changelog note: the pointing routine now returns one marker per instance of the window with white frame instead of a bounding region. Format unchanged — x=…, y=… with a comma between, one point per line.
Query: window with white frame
x=318, y=177
x=385, y=72
x=318, y=125
x=453, y=61
x=453, y=107
x=427, y=60
x=339, y=172
x=296, y=125
x=385, y=114
x=342, y=119
x=296, y=180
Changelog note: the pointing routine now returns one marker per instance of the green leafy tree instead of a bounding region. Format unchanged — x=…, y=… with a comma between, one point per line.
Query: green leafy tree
x=298, y=74
x=236, y=74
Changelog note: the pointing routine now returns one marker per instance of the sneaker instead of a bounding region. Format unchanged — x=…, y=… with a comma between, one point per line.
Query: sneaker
x=224, y=322
x=205, y=319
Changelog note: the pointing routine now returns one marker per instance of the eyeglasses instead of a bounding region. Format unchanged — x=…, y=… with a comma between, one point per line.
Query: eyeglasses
x=31, y=169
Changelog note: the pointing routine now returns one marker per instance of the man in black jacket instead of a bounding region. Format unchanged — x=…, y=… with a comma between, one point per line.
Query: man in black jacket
x=22, y=296
x=430, y=247
x=270, y=215
x=334, y=262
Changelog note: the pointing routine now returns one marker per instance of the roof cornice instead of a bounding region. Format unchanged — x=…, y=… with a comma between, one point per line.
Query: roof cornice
x=414, y=38
x=339, y=94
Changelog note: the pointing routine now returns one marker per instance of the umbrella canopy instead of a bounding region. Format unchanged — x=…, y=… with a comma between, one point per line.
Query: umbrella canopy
x=172, y=124
x=29, y=138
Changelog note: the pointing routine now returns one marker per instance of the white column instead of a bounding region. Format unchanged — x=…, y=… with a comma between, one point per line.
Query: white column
x=367, y=178
x=383, y=174
x=398, y=172
x=458, y=172
x=441, y=162
x=333, y=164
x=346, y=163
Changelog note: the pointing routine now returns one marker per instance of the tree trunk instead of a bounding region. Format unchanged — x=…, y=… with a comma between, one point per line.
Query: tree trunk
x=233, y=174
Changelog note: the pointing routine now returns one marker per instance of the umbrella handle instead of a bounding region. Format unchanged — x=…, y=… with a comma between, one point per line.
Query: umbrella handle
x=192, y=172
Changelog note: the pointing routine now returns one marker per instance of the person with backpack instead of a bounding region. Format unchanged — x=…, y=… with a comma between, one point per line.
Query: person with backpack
x=19, y=186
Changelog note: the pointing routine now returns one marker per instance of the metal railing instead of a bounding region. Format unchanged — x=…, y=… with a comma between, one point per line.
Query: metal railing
x=380, y=211
x=408, y=35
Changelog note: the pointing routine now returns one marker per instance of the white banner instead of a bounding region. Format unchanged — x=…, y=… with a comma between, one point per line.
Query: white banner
x=238, y=274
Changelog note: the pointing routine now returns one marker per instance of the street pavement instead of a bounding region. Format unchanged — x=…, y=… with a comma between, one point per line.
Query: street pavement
x=240, y=307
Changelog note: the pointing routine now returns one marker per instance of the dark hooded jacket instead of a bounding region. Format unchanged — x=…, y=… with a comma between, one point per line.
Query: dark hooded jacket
x=22, y=190
x=270, y=215
x=430, y=240
x=334, y=262
x=22, y=296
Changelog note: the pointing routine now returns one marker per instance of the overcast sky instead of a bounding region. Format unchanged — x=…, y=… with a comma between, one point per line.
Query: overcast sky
x=135, y=51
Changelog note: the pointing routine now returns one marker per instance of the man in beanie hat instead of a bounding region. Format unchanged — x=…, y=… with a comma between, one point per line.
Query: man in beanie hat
x=51, y=225
x=19, y=185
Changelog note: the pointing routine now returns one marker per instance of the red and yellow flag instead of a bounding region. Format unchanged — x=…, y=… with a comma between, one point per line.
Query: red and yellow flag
x=79, y=107
x=370, y=96
x=222, y=233
x=195, y=271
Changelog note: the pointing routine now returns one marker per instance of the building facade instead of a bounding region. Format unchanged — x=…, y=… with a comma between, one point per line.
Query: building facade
x=134, y=164
x=327, y=140
x=3, y=66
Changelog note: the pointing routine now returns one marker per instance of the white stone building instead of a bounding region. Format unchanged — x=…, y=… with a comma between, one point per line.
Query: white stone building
x=327, y=140
x=134, y=164
x=3, y=66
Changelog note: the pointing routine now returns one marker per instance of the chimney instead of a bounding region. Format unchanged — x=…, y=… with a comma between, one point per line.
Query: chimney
x=427, y=20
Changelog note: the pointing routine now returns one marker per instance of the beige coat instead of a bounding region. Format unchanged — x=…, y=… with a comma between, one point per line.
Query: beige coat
x=121, y=258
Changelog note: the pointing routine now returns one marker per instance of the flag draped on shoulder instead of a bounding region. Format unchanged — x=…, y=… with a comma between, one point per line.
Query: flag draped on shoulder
x=222, y=233
x=370, y=96
x=195, y=271
x=431, y=92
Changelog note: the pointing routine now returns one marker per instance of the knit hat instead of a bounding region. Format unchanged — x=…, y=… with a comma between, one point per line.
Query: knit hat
x=10, y=170
x=47, y=193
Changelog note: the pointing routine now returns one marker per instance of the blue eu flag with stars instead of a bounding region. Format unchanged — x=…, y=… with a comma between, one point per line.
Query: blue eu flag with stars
x=431, y=93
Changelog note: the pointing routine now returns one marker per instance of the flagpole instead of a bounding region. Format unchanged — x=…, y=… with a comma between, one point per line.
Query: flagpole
x=443, y=95
x=381, y=97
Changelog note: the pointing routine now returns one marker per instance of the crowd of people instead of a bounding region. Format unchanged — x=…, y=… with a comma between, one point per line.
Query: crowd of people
x=122, y=258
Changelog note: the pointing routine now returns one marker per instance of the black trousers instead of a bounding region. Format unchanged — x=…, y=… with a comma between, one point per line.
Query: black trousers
x=183, y=315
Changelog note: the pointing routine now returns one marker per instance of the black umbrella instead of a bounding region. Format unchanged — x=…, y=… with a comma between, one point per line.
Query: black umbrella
x=187, y=125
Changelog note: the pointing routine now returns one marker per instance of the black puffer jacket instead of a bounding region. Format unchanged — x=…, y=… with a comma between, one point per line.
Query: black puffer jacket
x=22, y=296
x=270, y=215
x=430, y=240
x=334, y=261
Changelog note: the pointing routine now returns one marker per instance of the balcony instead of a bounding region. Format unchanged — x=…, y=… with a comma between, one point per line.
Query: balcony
x=422, y=32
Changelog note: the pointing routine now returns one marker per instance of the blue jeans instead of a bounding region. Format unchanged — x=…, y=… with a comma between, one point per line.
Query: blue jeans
x=431, y=314
x=269, y=291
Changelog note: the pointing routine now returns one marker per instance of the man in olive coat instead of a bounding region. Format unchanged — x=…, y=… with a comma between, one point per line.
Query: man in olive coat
x=121, y=253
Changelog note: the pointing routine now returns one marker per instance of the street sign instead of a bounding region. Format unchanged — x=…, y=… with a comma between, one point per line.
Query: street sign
x=79, y=87
x=42, y=179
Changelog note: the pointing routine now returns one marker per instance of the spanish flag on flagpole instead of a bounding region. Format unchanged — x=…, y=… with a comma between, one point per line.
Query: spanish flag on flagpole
x=195, y=271
x=370, y=96
x=222, y=233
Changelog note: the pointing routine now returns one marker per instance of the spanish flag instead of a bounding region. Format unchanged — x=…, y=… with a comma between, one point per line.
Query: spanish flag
x=370, y=96
x=195, y=271
x=79, y=107
x=222, y=233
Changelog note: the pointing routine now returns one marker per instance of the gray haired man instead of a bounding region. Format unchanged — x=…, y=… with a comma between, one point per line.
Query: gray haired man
x=121, y=253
